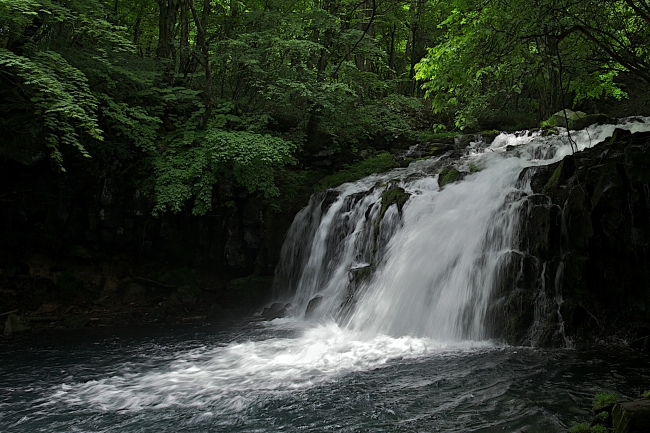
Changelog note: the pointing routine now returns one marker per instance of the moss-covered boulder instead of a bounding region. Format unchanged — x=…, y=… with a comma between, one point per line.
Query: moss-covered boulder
x=573, y=119
x=448, y=175
x=393, y=195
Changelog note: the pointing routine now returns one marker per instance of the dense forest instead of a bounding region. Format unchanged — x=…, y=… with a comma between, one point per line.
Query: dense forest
x=192, y=131
x=207, y=92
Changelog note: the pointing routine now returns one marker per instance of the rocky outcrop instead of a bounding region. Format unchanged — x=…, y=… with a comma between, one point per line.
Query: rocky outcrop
x=631, y=416
x=581, y=273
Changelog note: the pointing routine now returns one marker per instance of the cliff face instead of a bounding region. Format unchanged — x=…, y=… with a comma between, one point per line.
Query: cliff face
x=85, y=241
x=582, y=273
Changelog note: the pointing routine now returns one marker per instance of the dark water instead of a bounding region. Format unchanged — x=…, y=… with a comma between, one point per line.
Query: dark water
x=289, y=376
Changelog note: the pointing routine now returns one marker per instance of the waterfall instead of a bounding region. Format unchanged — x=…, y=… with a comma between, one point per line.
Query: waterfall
x=425, y=266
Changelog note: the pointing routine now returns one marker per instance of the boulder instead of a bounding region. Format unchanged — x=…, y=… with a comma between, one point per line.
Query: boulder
x=16, y=324
x=275, y=311
x=574, y=119
x=449, y=175
x=312, y=306
x=632, y=416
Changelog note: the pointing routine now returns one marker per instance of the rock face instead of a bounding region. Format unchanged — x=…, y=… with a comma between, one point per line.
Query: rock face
x=275, y=311
x=632, y=416
x=15, y=324
x=581, y=273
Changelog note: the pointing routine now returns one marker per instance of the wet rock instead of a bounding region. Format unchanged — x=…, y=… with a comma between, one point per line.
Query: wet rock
x=76, y=321
x=448, y=175
x=632, y=416
x=16, y=324
x=134, y=292
x=587, y=225
x=275, y=311
x=189, y=294
x=312, y=306
x=393, y=195
x=215, y=314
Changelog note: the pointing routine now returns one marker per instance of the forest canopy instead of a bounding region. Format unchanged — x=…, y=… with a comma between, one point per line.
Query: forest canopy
x=207, y=92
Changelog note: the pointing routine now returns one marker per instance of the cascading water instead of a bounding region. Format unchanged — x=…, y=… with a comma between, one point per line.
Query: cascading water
x=433, y=262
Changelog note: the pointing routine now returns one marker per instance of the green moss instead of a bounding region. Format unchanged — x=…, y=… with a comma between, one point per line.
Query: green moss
x=583, y=427
x=602, y=418
x=555, y=178
x=604, y=399
x=449, y=175
x=646, y=394
x=392, y=195
x=375, y=164
x=473, y=168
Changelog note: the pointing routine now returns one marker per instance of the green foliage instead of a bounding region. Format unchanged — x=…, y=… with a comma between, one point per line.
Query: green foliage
x=60, y=95
x=604, y=399
x=374, y=164
x=189, y=170
x=646, y=394
x=517, y=57
x=584, y=427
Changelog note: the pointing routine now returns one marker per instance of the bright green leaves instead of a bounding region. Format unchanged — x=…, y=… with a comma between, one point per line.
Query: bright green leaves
x=516, y=57
x=60, y=95
x=186, y=172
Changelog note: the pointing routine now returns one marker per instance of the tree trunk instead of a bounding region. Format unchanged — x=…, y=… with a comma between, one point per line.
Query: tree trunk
x=202, y=37
x=184, y=40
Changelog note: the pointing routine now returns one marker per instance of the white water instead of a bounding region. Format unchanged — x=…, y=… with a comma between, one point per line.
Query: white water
x=229, y=379
x=435, y=266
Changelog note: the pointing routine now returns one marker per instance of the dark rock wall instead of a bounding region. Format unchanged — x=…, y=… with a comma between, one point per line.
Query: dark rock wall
x=95, y=224
x=582, y=273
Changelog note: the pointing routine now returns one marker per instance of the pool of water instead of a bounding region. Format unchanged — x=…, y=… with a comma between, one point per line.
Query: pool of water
x=289, y=375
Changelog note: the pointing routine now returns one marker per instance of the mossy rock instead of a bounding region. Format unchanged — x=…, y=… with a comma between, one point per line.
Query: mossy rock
x=374, y=164
x=573, y=120
x=449, y=175
x=393, y=195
